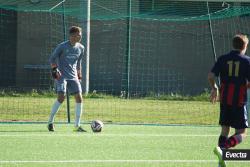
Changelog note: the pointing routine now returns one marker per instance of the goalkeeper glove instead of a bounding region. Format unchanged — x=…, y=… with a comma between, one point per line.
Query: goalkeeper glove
x=55, y=73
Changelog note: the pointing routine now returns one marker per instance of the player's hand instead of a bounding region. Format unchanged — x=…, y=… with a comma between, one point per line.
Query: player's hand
x=248, y=85
x=79, y=75
x=214, y=95
x=55, y=73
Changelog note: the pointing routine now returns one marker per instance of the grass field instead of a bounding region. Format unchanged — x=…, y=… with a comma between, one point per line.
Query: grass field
x=113, y=110
x=25, y=145
x=153, y=143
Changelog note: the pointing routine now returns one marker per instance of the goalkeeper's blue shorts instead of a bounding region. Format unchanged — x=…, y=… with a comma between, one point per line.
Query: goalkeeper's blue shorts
x=73, y=85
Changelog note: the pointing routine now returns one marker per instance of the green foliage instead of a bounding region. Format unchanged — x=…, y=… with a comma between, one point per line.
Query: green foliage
x=26, y=93
x=204, y=96
x=96, y=95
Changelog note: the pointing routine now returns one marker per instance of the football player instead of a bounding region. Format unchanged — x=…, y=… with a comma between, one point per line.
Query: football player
x=66, y=69
x=233, y=69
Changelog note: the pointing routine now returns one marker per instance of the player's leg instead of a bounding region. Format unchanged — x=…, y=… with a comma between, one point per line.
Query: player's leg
x=237, y=138
x=78, y=112
x=248, y=106
x=61, y=89
x=56, y=106
x=78, y=109
x=225, y=129
x=240, y=123
x=223, y=136
x=76, y=89
x=225, y=124
x=221, y=144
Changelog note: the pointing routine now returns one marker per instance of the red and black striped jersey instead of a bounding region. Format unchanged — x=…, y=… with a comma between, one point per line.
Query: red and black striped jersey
x=234, y=72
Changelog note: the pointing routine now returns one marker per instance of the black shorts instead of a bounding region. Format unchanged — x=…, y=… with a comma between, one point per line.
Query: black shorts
x=235, y=117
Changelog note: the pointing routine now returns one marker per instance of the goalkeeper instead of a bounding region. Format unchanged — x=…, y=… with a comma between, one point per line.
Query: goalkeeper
x=66, y=67
x=234, y=72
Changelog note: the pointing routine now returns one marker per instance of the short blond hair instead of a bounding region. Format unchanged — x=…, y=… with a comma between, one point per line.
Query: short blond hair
x=239, y=41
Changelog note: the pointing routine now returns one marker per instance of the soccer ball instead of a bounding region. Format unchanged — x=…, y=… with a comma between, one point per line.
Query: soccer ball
x=97, y=126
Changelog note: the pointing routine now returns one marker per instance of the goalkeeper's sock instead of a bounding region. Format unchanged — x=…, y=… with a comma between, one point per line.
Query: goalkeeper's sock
x=54, y=110
x=78, y=115
x=233, y=141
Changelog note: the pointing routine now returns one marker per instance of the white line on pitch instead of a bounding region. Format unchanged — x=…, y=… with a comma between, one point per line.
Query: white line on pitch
x=103, y=135
x=116, y=161
x=110, y=161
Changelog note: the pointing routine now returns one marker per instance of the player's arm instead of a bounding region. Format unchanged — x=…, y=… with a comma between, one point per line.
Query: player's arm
x=79, y=65
x=55, y=73
x=79, y=69
x=248, y=74
x=212, y=75
x=214, y=87
x=79, y=74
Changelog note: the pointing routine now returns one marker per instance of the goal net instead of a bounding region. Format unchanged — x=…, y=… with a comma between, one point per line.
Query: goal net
x=148, y=58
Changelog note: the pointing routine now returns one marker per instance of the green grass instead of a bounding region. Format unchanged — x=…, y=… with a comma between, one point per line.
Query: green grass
x=25, y=145
x=204, y=96
x=113, y=110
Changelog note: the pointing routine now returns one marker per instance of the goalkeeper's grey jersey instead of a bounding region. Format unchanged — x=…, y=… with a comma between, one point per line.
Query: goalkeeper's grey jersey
x=68, y=58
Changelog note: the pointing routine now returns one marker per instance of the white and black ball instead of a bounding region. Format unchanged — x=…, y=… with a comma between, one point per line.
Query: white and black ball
x=97, y=126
